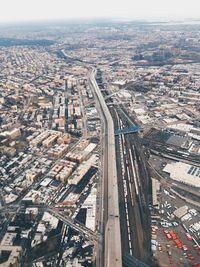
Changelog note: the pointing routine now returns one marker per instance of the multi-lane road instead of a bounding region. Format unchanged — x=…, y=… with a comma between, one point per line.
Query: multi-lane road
x=112, y=252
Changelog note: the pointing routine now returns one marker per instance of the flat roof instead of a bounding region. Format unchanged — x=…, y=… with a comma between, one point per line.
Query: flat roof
x=183, y=172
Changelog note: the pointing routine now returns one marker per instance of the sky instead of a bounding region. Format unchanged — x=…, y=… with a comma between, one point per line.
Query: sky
x=28, y=10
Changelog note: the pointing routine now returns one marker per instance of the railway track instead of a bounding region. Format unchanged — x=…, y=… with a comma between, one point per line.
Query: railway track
x=133, y=182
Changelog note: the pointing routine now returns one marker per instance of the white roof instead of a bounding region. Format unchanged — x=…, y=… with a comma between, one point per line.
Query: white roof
x=90, y=147
x=46, y=182
x=90, y=205
x=181, y=172
x=53, y=221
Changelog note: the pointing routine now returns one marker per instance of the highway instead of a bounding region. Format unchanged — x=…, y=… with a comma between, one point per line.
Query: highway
x=112, y=251
x=133, y=181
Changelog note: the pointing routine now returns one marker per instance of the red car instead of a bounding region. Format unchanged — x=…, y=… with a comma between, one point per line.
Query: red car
x=196, y=247
x=178, y=243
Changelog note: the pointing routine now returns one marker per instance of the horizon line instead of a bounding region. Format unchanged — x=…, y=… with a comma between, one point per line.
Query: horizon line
x=100, y=18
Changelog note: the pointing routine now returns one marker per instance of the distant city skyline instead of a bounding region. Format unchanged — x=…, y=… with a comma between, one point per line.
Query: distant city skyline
x=33, y=10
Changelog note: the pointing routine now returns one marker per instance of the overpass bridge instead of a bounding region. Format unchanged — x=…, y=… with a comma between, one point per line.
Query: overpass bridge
x=127, y=130
x=74, y=224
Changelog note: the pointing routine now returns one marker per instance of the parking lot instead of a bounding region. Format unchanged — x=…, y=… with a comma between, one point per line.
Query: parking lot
x=176, y=244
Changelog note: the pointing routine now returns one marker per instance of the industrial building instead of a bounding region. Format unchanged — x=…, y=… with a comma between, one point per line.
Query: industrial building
x=155, y=190
x=184, y=173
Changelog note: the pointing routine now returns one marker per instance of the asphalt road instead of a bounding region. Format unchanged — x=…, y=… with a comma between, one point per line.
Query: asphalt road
x=111, y=222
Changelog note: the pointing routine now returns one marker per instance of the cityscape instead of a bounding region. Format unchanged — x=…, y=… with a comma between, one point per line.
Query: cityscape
x=100, y=143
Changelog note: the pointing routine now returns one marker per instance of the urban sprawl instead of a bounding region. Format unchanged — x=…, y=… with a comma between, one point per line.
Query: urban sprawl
x=100, y=145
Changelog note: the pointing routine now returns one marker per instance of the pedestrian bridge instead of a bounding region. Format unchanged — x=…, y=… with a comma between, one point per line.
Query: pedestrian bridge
x=132, y=129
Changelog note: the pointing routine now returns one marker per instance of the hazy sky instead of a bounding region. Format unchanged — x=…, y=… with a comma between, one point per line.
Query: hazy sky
x=20, y=10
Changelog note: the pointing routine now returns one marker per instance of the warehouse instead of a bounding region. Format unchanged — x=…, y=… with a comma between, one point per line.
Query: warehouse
x=184, y=173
